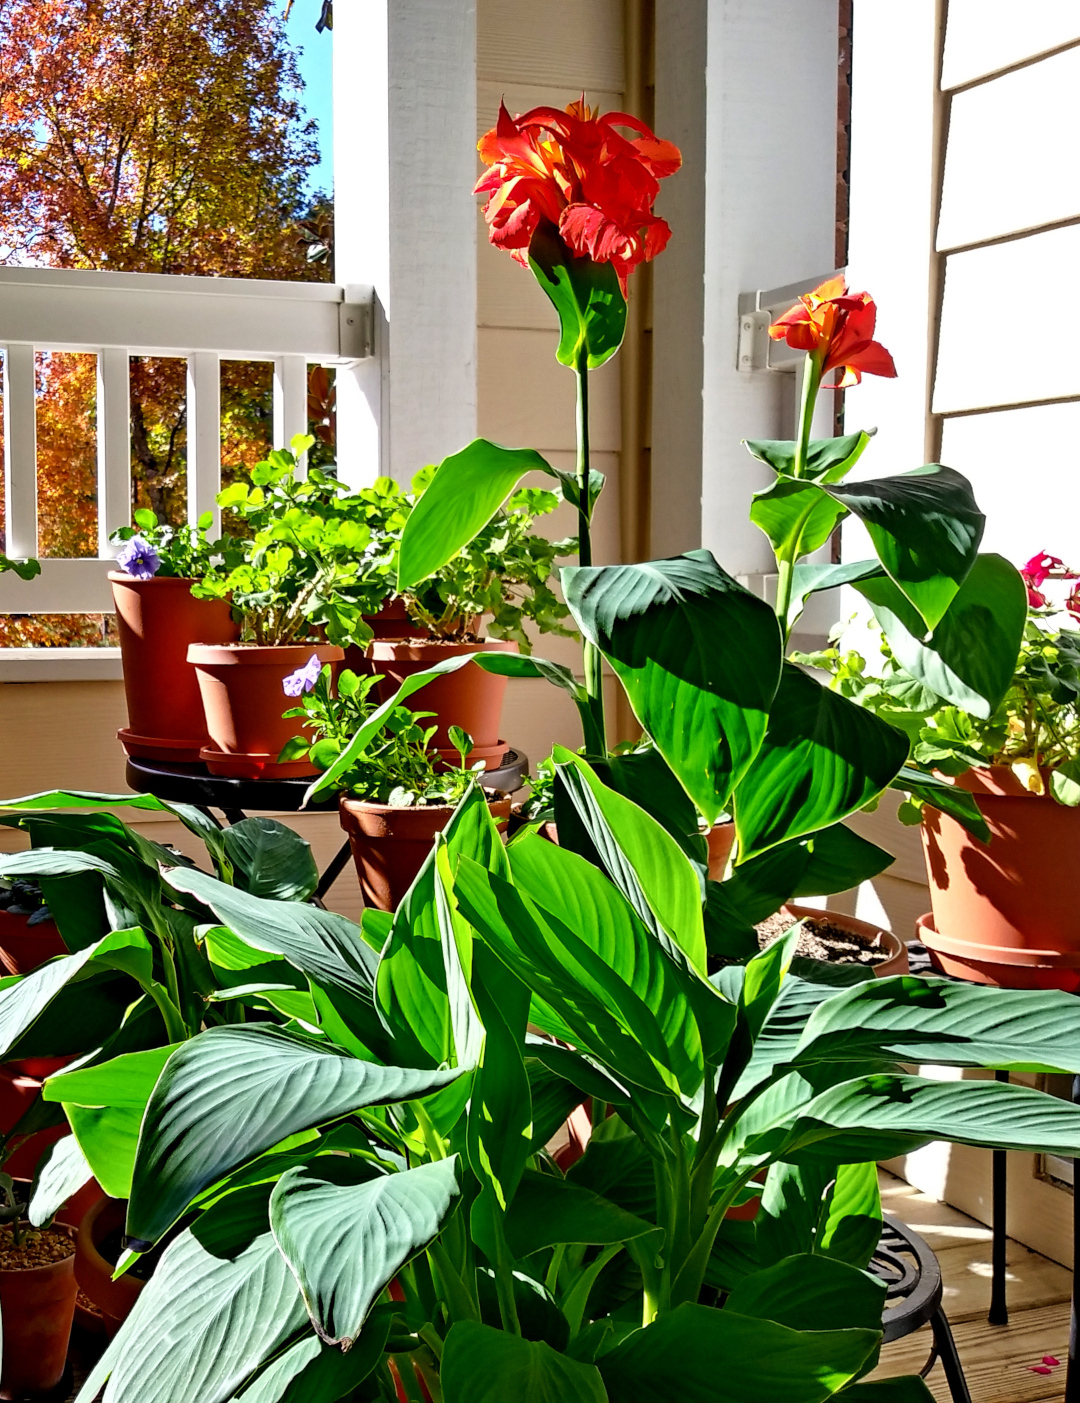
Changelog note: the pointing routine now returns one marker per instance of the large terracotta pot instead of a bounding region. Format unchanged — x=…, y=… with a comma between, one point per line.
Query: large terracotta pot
x=157, y=621
x=721, y=840
x=897, y=963
x=469, y=698
x=1004, y=913
x=24, y=946
x=114, y=1299
x=37, y=1305
x=389, y=844
x=243, y=701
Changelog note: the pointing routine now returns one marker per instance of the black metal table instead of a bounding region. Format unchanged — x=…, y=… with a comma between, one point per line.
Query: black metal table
x=194, y=784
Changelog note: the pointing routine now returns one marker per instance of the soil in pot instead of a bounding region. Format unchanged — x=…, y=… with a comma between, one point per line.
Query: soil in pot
x=1004, y=912
x=243, y=701
x=469, y=698
x=389, y=844
x=837, y=939
x=37, y=1302
x=158, y=619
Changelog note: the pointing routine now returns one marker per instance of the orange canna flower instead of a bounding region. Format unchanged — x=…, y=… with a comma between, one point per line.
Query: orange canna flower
x=577, y=171
x=842, y=324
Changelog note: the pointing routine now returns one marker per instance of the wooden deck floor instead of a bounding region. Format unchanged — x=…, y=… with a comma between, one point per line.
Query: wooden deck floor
x=998, y=1360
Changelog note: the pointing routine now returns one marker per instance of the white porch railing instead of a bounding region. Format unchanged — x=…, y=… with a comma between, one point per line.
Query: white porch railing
x=117, y=315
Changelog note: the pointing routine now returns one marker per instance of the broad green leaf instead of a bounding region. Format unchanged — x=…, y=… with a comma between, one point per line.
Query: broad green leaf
x=190, y=816
x=24, y=1000
x=108, y=1137
x=61, y=1172
x=459, y=501
x=220, y=1303
x=647, y=987
x=548, y=1210
x=782, y=1030
x=234, y=1092
x=926, y=528
x=517, y=665
x=698, y=655
x=790, y=1214
x=839, y=859
x=909, y=1019
x=827, y=459
x=271, y=860
x=851, y=1223
x=808, y=579
x=806, y=1292
x=310, y=1371
x=483, y=1365
x=620, y=1170
x=646, y=779
x=693, y=1347
x=588, y=997
x=764, y=976
x=325, y=947
x=796, y=515
x=125, y=1081
x=345, y=1240
x=823, y=758
x=640, y=858
x=970, y=658
x=877, y=1116
x=940, y=794
x=586, y=295
x=571, y=487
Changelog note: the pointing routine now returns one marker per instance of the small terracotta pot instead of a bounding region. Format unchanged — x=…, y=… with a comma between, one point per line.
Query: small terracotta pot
x=389, y=845
x=469, y=698
x=721, y=840
x=23, y=947
x=18, y=1092
x=157, y=621
x=37, y=1305
x=1004, y=913
x=243, y=701
x=114, y=1299
x=897, y=963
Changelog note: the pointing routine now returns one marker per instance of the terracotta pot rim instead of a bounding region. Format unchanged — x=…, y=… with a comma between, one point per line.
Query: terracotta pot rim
x=419, y=649
x=998, y=781
x=495, y=797
x=887, y=939
x=87, y=1243
x=1017, y=956
x=120, y=577
x=260, y=655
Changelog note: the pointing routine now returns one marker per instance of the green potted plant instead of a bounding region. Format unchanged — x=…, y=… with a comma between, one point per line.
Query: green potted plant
x=37, y=1298
x=481, y=599
x=394, y=795
x=158, y=618
x=1002, y=900
x=374, y=1208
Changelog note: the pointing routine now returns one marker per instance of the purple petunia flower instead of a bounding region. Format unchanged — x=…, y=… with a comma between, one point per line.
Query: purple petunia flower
x=139, y=558
x=304, y=678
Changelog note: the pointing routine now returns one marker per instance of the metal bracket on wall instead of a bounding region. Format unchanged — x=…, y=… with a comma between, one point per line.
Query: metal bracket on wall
x=355, y=321
x=757, y=310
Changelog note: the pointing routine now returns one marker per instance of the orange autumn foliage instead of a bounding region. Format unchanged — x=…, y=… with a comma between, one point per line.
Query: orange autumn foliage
x=161, y=136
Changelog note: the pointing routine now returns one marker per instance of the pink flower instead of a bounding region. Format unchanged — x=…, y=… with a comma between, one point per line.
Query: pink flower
x=1039, y=569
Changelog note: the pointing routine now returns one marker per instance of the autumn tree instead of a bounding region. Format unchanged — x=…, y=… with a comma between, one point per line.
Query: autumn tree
x=160, y=136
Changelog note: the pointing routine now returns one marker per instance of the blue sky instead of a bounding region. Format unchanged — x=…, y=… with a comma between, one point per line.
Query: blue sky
x=315, y=66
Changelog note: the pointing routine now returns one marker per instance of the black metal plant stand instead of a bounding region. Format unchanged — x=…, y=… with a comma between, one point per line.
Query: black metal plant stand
x=233, y=798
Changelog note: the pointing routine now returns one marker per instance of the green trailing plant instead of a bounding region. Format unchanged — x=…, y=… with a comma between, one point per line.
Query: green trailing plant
x=25, y=569
x=1034, y=728
x=153, y=548
x=369, y=1187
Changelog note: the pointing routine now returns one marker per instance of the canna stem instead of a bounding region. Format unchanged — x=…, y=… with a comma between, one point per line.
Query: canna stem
x=594, y=685
x=811, y=383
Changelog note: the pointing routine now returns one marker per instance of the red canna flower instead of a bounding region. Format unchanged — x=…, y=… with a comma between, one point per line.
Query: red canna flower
x=577, y=171
x=839, y=324
x=1038, y=570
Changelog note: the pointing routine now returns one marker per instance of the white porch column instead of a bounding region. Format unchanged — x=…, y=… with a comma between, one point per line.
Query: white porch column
x=770, y=199
x=405, y=222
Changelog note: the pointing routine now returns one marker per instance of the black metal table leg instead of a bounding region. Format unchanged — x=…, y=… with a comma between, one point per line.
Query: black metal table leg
x=1072, y=1376
x=999, y=1308
x=945, y=1346
x=333, y=871
x=234, y=816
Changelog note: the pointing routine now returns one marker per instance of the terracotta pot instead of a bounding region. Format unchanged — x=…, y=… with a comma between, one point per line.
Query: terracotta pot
x=37, y=1305
x=18, y=1091
x=469, y=698
x=897, y=963
x=243, y=702
x=23, y=947
x=114, y=1299
x=721, y=840
x=389, y=844
x=157, y=621
x=1004, y=913
x=392, y=621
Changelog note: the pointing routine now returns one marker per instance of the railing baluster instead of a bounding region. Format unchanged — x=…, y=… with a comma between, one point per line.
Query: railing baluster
x=204, y=435
x=114, y=445
x=20, y=451
x=290, y=401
